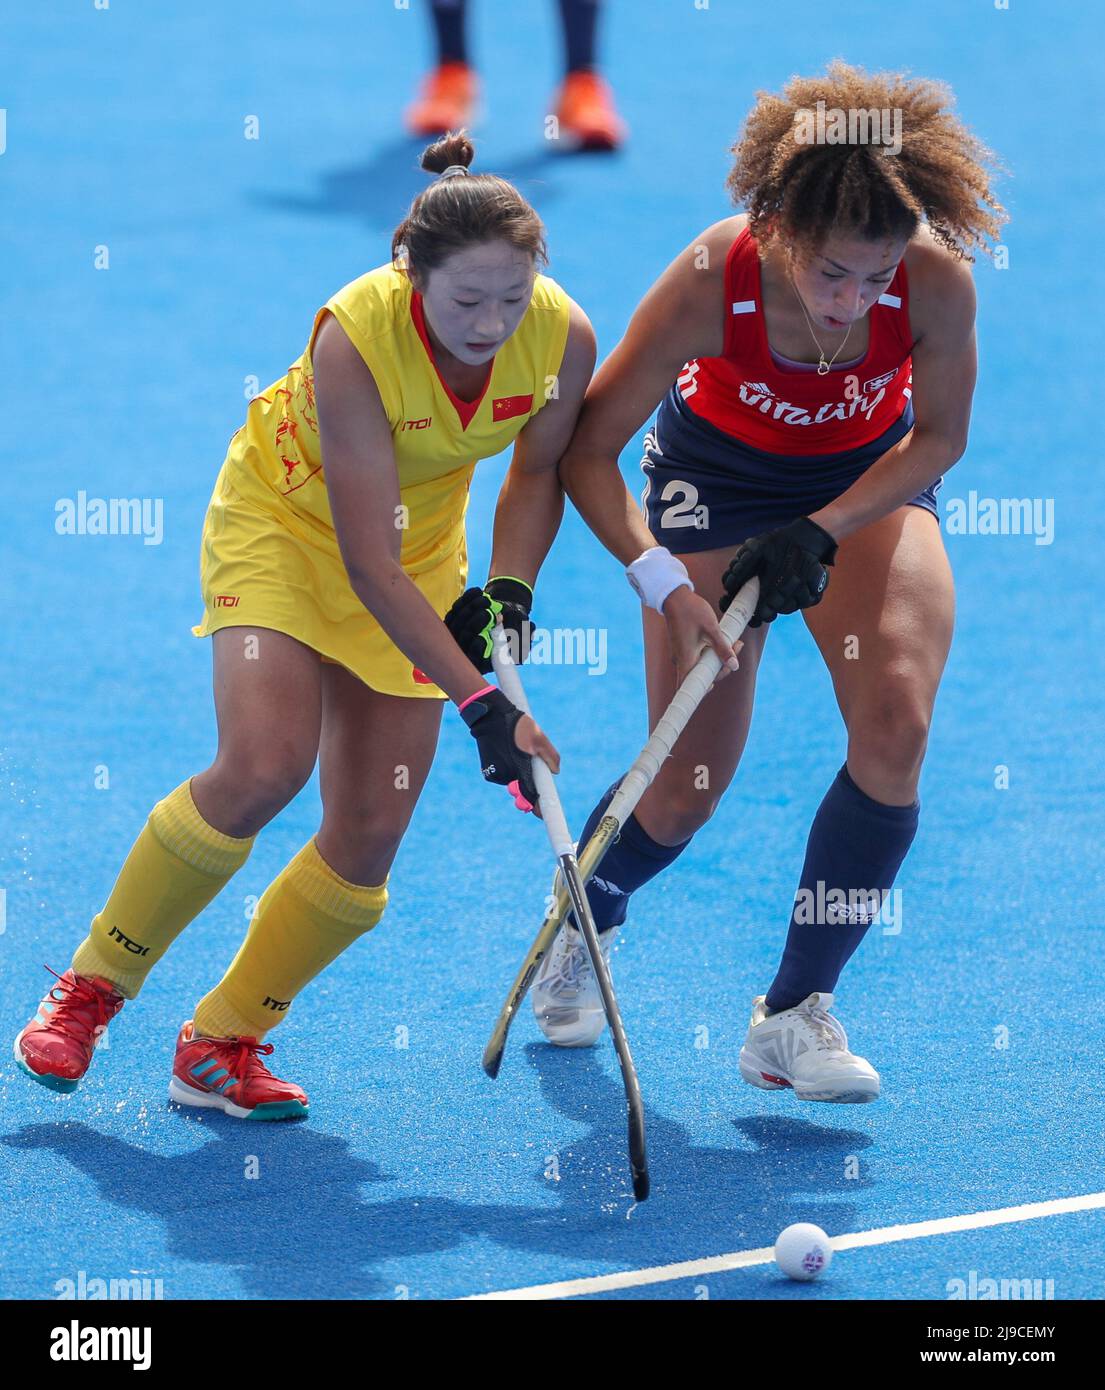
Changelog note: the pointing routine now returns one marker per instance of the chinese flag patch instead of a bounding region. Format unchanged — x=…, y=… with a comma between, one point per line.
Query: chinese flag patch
x=506, y=407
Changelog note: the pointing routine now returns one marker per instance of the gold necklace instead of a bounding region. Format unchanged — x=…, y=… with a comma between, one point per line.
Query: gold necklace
x=823, y=367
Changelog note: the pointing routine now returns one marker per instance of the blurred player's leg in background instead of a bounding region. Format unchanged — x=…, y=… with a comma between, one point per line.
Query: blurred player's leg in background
x=448, y=95
x=584, y=104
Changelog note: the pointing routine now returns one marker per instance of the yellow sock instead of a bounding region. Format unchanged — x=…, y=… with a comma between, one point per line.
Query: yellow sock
x=306, y=917
x=174, y=869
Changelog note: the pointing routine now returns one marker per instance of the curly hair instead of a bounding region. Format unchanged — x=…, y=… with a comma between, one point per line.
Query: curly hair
x=460, y=211
x=798, y=190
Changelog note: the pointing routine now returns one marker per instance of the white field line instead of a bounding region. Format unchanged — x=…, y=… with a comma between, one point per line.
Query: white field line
x=741, y=1259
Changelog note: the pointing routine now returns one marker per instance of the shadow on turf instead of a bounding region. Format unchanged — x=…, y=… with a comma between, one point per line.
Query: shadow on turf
x=377, y=190
x=305, y=1227
x=751, y=1191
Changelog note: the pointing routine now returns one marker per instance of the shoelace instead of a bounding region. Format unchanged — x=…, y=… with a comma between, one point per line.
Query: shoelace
x=80, y=1006
x=242, y=1056
x=568, y=970
x=573, y=968
x=828, y=1030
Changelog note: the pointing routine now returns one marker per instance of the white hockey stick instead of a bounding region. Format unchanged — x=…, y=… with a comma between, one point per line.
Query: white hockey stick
x=559, y=837
x=632, y=787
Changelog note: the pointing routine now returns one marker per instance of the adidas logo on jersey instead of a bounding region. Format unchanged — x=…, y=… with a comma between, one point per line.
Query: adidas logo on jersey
x=877, y=381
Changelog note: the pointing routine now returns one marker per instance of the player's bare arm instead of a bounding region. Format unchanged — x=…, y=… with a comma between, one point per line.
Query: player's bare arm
x=681, y=317
x=945, y=365
x=531, y=501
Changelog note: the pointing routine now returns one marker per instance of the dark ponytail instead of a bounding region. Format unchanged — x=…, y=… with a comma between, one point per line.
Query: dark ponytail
x=462, y=210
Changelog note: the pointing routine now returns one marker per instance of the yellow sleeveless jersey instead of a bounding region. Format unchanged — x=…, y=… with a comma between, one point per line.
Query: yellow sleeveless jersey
x=270, y=555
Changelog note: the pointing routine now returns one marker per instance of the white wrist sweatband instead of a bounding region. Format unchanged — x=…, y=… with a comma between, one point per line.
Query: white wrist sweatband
x=655, y=574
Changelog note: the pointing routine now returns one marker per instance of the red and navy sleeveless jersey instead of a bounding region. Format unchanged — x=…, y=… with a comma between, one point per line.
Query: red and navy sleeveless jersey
x=747, y=395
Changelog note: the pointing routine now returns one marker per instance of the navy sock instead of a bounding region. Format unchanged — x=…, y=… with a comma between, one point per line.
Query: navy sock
x=856, y=846
x=449, y=16
x=628, y=864
x=579, y=18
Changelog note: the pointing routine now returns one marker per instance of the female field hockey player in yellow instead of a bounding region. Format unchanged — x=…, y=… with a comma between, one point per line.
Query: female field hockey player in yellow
x=334, y=545
x=814, y=360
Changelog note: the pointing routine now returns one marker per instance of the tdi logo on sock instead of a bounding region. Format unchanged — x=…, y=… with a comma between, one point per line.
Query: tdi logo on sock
x=128, y=944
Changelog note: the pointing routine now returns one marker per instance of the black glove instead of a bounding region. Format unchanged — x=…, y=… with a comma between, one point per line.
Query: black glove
x=472, y=619
x=790, y=563
x=492, y=719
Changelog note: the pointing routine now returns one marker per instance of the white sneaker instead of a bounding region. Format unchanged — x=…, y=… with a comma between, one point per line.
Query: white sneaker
x=807, y=1049
x=566, y=998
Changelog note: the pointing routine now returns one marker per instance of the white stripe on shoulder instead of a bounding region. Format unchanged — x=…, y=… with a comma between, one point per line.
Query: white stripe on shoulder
x=744, y=306
x=892, y=301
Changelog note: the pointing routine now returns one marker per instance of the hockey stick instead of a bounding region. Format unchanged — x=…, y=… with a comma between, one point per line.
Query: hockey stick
x=633, y=786
x=559, y=837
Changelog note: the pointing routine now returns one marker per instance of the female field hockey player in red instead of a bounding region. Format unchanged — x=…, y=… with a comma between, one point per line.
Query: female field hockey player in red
x=334, y=544
x=814, y=360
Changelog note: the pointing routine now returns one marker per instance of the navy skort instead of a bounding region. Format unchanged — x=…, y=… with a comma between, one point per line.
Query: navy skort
x=707, y=491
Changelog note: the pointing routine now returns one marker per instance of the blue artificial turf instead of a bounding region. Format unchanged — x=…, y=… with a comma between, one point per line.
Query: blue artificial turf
x=415, y=1176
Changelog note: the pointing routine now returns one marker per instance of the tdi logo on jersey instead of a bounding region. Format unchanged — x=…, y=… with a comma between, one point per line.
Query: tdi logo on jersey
x=418, y=424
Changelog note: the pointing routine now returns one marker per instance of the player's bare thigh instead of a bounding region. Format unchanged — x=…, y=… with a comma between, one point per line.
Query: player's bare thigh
x=690, y=783
x=268, y=705
x=884, y=627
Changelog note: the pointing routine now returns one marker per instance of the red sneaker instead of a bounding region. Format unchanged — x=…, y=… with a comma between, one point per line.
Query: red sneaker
x=56, y=1047
x=585, y=110
x=228, y=1074
x=446, y=101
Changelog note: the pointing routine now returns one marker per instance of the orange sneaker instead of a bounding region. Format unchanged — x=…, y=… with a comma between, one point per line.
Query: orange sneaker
x=446, y=101
x=56, y=1047
x=228, y=1074
x=585, y=111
